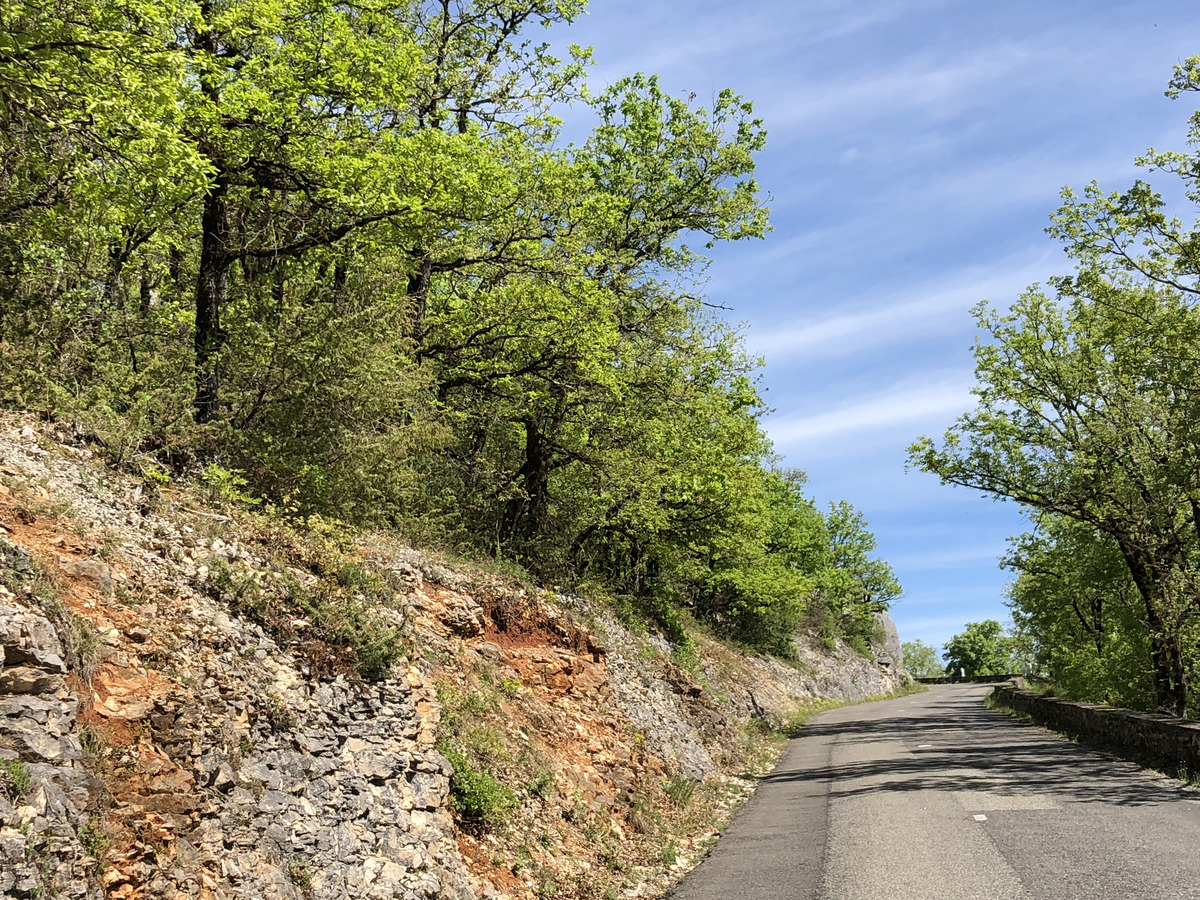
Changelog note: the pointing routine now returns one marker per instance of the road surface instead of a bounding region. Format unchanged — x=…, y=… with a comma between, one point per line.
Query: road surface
x=934, y=797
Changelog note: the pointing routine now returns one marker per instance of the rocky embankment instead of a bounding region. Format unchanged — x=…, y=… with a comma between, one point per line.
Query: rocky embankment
x=204, y=704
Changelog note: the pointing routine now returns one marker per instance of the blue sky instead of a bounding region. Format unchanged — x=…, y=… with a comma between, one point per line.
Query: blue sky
x=916, y=149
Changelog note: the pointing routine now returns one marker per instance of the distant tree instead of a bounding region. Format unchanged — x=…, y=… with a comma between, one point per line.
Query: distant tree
x=921, y=660
x=857, y=585
x=982, y=649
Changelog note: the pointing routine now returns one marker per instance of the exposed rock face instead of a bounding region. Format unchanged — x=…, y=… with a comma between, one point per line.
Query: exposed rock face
x=216, y=768
x=891, y=651
x=680, y=721
x=154, y=744
x=44, y=788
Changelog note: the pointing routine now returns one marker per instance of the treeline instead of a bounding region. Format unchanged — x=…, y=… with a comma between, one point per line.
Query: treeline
x=1089, y=415
x=344, y=252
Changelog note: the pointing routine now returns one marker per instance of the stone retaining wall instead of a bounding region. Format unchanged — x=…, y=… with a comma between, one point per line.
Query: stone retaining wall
x=1151, y=739
x=970, y=679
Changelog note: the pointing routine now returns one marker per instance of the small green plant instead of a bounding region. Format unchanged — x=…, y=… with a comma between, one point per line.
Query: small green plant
x=486, y=743
x=15, y=779
x=93, y=838
x=612, y=855
x=643, y=817
x=109, y=542
x=93, y=742
x=459, y=706
x=541, y=784
x=341, y=616
x=523, y=861
x=226, y=484
x=478, y=798
x=87, y=646
x=669, y=854
x=278, y=714
x=157, y=475
x=680, y=790
x=298, y=871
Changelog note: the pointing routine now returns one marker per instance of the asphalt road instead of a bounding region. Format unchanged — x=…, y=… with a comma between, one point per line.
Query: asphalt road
x=934, y=797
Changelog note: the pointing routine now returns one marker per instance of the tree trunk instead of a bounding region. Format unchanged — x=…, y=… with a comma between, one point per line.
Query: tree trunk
x=526, y=515
x=1166, y=650
x=145, y=290
x=113, y=293
x=418, y=290
x=1170, y=672
x=212, y=290
x=175, y=270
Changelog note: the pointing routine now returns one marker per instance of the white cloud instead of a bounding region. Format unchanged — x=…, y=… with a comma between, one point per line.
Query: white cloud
x=933, y=308
x=936, y=87
x=685, y=43
x=949, y=558
x=909, y=405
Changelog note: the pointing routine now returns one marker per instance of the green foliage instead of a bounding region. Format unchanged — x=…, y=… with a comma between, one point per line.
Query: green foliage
x=1086, y=413
x=343, y=623
x=921, y=660
x=981, y=649
x=1074, y=600
x=679, y=790
x=478, y=798
x=94, y=838
x=541, y=785
x=224, y=484
x=340, y=258
x=15, y=779
x=300, y=873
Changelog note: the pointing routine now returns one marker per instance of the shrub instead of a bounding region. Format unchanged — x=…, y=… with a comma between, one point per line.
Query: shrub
x=478, y=798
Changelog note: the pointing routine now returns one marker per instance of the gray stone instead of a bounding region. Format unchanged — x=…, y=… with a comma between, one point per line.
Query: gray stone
x=27, y=680
x=274, y=802
x=91, y=570
x=428, y=791
x=891, y=640
x=29, y=639
x=33, y=742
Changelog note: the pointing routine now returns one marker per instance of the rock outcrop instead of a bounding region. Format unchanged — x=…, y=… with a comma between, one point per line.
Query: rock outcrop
x=163, y=735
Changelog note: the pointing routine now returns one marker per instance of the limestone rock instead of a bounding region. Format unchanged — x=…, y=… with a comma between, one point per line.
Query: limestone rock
x=27, y=680
x=91, y=570
x=28, y=639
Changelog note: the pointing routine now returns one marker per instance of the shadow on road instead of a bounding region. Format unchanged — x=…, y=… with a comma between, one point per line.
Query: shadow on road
x=978, y=750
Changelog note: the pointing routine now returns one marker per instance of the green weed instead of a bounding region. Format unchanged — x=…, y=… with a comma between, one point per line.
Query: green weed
x=680, y=790
x=15, y=779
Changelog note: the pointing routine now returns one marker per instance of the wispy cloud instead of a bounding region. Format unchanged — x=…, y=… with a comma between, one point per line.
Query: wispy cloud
x=936, y=86
x=906, y=405
x=935, y=308
x=705, y=38
x=947, y=559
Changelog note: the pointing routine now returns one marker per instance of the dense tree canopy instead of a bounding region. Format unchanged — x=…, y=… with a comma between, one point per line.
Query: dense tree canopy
x=1074, y=596
x=345, y=251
